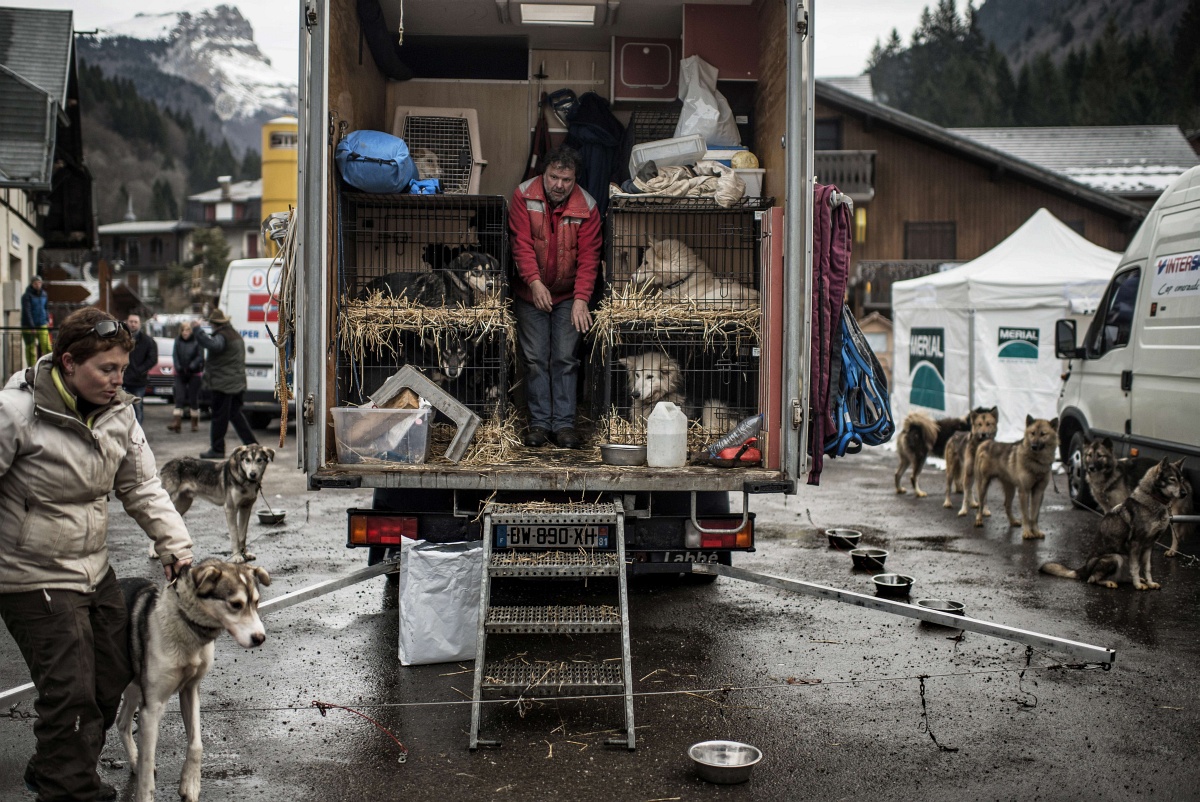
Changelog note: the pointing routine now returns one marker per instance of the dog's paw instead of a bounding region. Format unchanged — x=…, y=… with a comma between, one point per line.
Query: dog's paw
x=1030, y=535
x=1170, y=553
x=1108, y=583
x=1153, y=585
x=921, y=494
x=987, y=513
x=962, y=513
x=900, y=491
x=238, y=558
x=978, y=522
x=1140, y=586
x=249, y=557
x=947, y=504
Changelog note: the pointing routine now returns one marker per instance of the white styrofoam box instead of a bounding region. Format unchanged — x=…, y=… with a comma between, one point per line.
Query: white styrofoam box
x=754, y=181
x=667, y=152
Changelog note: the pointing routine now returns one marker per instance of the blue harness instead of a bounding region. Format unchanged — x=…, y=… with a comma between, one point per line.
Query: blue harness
x=861, y=407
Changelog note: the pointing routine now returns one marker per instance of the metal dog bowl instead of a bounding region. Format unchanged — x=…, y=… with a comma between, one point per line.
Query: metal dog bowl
x=622, y=454
x=869, y=559
x=942, y=606
x=270, y=517
x=843, y=538
x=725, y=762
x=895, y=585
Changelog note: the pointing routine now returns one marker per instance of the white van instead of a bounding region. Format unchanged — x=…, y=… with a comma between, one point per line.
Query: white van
x=250, y=296
x=1136, y=377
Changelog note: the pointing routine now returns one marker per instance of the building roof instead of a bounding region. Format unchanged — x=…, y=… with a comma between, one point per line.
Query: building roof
x=239, y=191
x=1135, y=160
x=854, y=84
x=145, y=227
x=998, y=160
x=35, y=61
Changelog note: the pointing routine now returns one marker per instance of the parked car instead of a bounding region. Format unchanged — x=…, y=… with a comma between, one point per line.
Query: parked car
x=161, y=379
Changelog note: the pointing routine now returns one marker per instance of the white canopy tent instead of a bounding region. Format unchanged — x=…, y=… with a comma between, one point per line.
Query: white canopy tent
x=982, y=333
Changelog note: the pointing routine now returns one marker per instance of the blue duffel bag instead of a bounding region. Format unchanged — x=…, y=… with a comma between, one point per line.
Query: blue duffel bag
x=375, y=162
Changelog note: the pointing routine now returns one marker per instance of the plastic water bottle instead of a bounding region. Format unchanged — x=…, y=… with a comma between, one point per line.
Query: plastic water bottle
x=747, y=428
x=666, y=436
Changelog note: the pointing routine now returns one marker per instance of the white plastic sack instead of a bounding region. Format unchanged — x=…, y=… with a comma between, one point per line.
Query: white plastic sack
x=705, y=110
x=439, y=601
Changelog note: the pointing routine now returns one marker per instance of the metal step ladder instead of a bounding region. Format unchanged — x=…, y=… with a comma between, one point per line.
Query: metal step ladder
x=510, y=551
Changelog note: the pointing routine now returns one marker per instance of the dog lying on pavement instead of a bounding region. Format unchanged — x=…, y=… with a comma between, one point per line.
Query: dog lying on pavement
x=233, y=484
x=171, y=634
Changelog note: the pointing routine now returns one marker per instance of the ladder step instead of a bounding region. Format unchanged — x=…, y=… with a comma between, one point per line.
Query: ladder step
x=554, y=679
x=555, y=619
x=547, y=513
x=553, y=563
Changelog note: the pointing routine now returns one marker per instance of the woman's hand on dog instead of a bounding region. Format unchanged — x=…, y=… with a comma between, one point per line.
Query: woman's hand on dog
x=173, y=570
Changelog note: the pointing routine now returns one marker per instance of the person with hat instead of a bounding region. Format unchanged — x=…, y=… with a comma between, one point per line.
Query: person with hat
x=225, y=377
x=35, y=320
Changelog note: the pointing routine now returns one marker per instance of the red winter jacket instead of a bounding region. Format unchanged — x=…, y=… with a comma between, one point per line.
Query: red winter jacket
x=562, y=247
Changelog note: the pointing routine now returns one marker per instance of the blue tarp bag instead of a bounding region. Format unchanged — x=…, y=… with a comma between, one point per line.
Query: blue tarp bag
x=425, y=186
x=375, y=162
x=859, y=401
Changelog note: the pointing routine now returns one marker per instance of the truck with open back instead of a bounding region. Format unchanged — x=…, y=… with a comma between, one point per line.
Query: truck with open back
x=464, y=83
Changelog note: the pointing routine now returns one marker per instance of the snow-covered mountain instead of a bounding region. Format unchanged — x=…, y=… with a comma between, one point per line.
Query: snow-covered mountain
x=177, y=58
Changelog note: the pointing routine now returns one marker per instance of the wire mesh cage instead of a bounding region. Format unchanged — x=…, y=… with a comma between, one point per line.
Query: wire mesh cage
x=652, y=125
x=712, y=377
x=444, y=143
x=421, y=282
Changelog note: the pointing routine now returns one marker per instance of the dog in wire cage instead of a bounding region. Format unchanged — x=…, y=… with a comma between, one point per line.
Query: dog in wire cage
x=653, y=376
x=680, y=274
x=466, y=280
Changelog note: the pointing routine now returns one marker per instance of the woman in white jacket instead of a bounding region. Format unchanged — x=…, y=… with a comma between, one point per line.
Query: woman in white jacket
x=69, y=438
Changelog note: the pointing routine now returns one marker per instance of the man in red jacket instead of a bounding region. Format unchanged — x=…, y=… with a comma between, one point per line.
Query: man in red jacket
x=556, y=246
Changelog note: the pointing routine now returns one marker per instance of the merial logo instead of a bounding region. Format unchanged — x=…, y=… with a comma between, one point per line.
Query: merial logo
x=1018, y=343
x=927, y=368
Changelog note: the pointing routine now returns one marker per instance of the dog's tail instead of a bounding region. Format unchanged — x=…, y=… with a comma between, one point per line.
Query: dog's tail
x=1061, y=571
x=916, y=435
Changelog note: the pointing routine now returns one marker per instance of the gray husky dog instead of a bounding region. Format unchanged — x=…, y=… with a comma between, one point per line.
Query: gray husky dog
x=1111, y=480
x=1129, y=531
x=1023, y=469
x=960, y=456
x=233, y=483
x=171, y=634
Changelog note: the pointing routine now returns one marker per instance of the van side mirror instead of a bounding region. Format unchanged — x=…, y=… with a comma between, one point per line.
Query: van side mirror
x=1064, y=340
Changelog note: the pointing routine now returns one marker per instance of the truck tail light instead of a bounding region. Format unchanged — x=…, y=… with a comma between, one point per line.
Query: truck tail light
x=381, y=530
x=732, y=538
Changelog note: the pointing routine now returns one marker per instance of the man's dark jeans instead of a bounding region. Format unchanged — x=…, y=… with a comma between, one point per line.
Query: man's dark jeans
x=227, y=409
x=549, y=344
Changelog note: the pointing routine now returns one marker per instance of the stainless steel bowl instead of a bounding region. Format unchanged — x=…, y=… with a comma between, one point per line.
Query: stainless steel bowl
x=725, y=762
x=270, y=517
x=622, y=454
x=892, y=584
x=942, y=606
x=843, y=538
x=869, y=559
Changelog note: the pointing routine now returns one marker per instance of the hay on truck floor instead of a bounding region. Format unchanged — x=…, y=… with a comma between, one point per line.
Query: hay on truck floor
x=368, y=324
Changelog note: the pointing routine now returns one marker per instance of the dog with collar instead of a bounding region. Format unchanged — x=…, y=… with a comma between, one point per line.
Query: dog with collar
x=233, y=483
x=171, y=635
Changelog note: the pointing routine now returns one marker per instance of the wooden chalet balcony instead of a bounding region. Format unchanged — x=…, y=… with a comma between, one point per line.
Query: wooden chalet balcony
x=851, y=171
x=871, y=280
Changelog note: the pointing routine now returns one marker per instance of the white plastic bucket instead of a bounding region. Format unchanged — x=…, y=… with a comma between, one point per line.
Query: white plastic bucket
x=666, y=436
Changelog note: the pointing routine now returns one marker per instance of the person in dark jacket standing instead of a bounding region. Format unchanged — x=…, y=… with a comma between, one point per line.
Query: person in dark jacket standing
x=555, y=229
x=143, y=357
x=189, y=364
x=35, y=321
x=225, y=376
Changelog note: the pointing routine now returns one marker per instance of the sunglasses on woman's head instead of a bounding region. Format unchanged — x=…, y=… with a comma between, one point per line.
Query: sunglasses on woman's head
x=109, y=328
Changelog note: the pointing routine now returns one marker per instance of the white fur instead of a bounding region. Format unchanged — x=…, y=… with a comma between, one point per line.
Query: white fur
x=682, y=275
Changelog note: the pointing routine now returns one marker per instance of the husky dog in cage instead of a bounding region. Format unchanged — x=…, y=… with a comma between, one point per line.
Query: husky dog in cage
x=464, y=281
x=652, y=377
x=453, y=351
x=427, y=163
x=682, y=275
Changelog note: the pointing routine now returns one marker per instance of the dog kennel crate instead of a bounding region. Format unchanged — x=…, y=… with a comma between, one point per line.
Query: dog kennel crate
x=464, y=348
x=682, y=294
x=444, y=143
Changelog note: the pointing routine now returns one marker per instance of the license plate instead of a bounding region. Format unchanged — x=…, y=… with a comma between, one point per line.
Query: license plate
x=162, y=390
x=685, y=557
x=551, y=536
x=258, y=373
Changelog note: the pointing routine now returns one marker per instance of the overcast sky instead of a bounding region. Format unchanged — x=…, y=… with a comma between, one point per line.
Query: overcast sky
x=845, y=30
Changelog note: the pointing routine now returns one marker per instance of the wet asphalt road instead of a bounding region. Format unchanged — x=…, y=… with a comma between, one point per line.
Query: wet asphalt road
x=1124, y=734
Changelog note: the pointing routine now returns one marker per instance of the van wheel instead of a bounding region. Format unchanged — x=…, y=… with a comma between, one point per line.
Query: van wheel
x=1077, y=486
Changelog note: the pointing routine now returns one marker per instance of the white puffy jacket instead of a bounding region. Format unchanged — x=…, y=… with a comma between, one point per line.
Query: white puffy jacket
x=56, y=473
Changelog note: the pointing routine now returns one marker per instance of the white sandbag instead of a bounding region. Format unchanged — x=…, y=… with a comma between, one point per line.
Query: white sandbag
x=705, y=110
x=439, y=601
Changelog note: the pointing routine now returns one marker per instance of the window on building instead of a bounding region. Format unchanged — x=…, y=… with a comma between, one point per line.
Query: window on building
x=827, y=134
x=156, y=249
x=225, y=211
x=929, y=241
x=251, y=246
x=210, y=213
x=133, y=251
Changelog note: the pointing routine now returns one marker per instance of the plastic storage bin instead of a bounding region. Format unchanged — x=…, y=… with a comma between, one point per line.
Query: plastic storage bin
x=754, y=181
x=667, y=152
x=367, y=434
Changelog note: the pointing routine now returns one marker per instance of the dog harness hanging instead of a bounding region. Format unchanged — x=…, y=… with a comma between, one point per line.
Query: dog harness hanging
x=860, y=406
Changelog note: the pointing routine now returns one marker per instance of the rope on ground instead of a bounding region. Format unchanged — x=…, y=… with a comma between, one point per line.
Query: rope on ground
x=323, y=706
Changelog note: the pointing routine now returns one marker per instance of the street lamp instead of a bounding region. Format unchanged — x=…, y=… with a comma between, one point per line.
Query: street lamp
x=43, y=205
